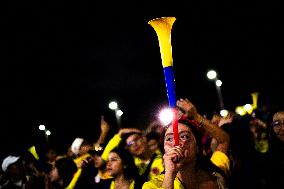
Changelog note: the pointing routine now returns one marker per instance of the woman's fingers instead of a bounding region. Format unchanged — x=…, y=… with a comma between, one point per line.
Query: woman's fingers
x=176, y=154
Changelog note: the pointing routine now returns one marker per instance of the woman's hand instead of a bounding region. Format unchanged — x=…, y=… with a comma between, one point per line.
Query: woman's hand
x=174, y=158
x=173, y=161
x=104, y=125
x=187, y=108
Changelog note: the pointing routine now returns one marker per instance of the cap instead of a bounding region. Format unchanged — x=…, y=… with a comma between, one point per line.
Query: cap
x=75, y=147
x=8, y=161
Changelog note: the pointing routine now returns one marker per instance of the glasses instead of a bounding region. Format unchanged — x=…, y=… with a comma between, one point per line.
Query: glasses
x=114, y=159
x=135, y=141
x=277, y=124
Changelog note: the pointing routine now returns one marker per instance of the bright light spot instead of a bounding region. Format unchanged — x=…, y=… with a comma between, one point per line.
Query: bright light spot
x=48, y=132
x=219, y=83
x=240, y=110
x=113, y=105
x=224, y=113
x=166, y=116
x=119, y=113
x=211, y=74
x=41, y=127
x=247, y=107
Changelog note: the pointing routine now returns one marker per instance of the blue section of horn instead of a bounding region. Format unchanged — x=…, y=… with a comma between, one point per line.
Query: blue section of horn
x=170, y=85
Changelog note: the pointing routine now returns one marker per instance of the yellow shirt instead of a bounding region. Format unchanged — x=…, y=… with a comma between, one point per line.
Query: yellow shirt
x=156, y=167
x=158, y=181
x=218, y=158
x=77, y=175
x=130, y=187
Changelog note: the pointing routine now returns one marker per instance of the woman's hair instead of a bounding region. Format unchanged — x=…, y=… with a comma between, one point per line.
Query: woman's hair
x=130, y=169
x=66, y=169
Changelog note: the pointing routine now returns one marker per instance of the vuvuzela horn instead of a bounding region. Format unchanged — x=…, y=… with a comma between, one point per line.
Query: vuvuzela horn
x=254, y=99
x=163, y=27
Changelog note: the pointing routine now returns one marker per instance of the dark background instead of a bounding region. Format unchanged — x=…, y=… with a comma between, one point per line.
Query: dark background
x=63, y=62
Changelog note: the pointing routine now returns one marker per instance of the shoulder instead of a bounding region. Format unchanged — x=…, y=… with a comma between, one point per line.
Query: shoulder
x=156, y=182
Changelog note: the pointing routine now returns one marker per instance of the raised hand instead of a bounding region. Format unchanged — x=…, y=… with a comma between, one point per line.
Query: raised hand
x=187, y=108
x=104, y=125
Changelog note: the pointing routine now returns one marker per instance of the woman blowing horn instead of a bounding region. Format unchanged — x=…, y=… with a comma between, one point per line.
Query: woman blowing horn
x=185, y=165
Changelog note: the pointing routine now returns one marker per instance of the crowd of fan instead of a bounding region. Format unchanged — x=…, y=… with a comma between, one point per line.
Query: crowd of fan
x=217, y=152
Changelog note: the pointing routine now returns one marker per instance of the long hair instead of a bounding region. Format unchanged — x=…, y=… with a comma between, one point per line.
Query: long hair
x=130, y=169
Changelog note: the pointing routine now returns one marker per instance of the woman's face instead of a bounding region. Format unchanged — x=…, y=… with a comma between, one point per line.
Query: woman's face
x=153, y=145
x=278, y=125
x=136, y=144
x=187, y=140
x=114, y=165
x=98, y=161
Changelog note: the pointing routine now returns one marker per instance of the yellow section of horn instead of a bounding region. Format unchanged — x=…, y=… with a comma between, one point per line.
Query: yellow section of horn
x=163, y=27
x=254, y=99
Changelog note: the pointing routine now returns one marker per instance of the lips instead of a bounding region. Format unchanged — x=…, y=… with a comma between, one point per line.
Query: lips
x=109, y=169
x=137, y=148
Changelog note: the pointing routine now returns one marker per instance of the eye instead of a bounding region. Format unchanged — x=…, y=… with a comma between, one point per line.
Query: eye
x=184, y=137
x=169, y=138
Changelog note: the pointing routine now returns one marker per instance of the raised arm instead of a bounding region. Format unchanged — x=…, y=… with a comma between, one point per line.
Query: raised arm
x=104, y=131
x=212, y=129
x=114, y=142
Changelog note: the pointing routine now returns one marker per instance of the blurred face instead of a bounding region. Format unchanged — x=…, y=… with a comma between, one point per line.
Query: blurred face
x=114, y=165
x=70, y=153
x=153, y=145
x=15, y=171
x=136, y=144
x=51, y=155
x=278, y=125
x=98, y=161
x=53, y=175
x=187, y=140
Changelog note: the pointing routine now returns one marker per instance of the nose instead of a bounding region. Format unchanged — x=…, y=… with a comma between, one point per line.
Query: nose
x=108, y=165
x=181, y=143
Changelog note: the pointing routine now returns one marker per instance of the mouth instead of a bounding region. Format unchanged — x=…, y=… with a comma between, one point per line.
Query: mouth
x=137, y=148
x=280, y=134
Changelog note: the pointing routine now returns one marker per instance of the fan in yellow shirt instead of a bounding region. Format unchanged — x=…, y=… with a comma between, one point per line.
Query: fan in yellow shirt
x=185, y=165
x=149, y=164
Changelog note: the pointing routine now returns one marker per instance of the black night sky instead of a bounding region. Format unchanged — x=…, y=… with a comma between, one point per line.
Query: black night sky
x=63, y=62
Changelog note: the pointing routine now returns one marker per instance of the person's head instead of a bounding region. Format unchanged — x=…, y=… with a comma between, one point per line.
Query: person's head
x=189, y=139
x=154, y=141
x=63, y=171
x=98, y=161
x=136, y=143
x=13, y=168
x=51, y=155
x=278, y=125
x=121, y=162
